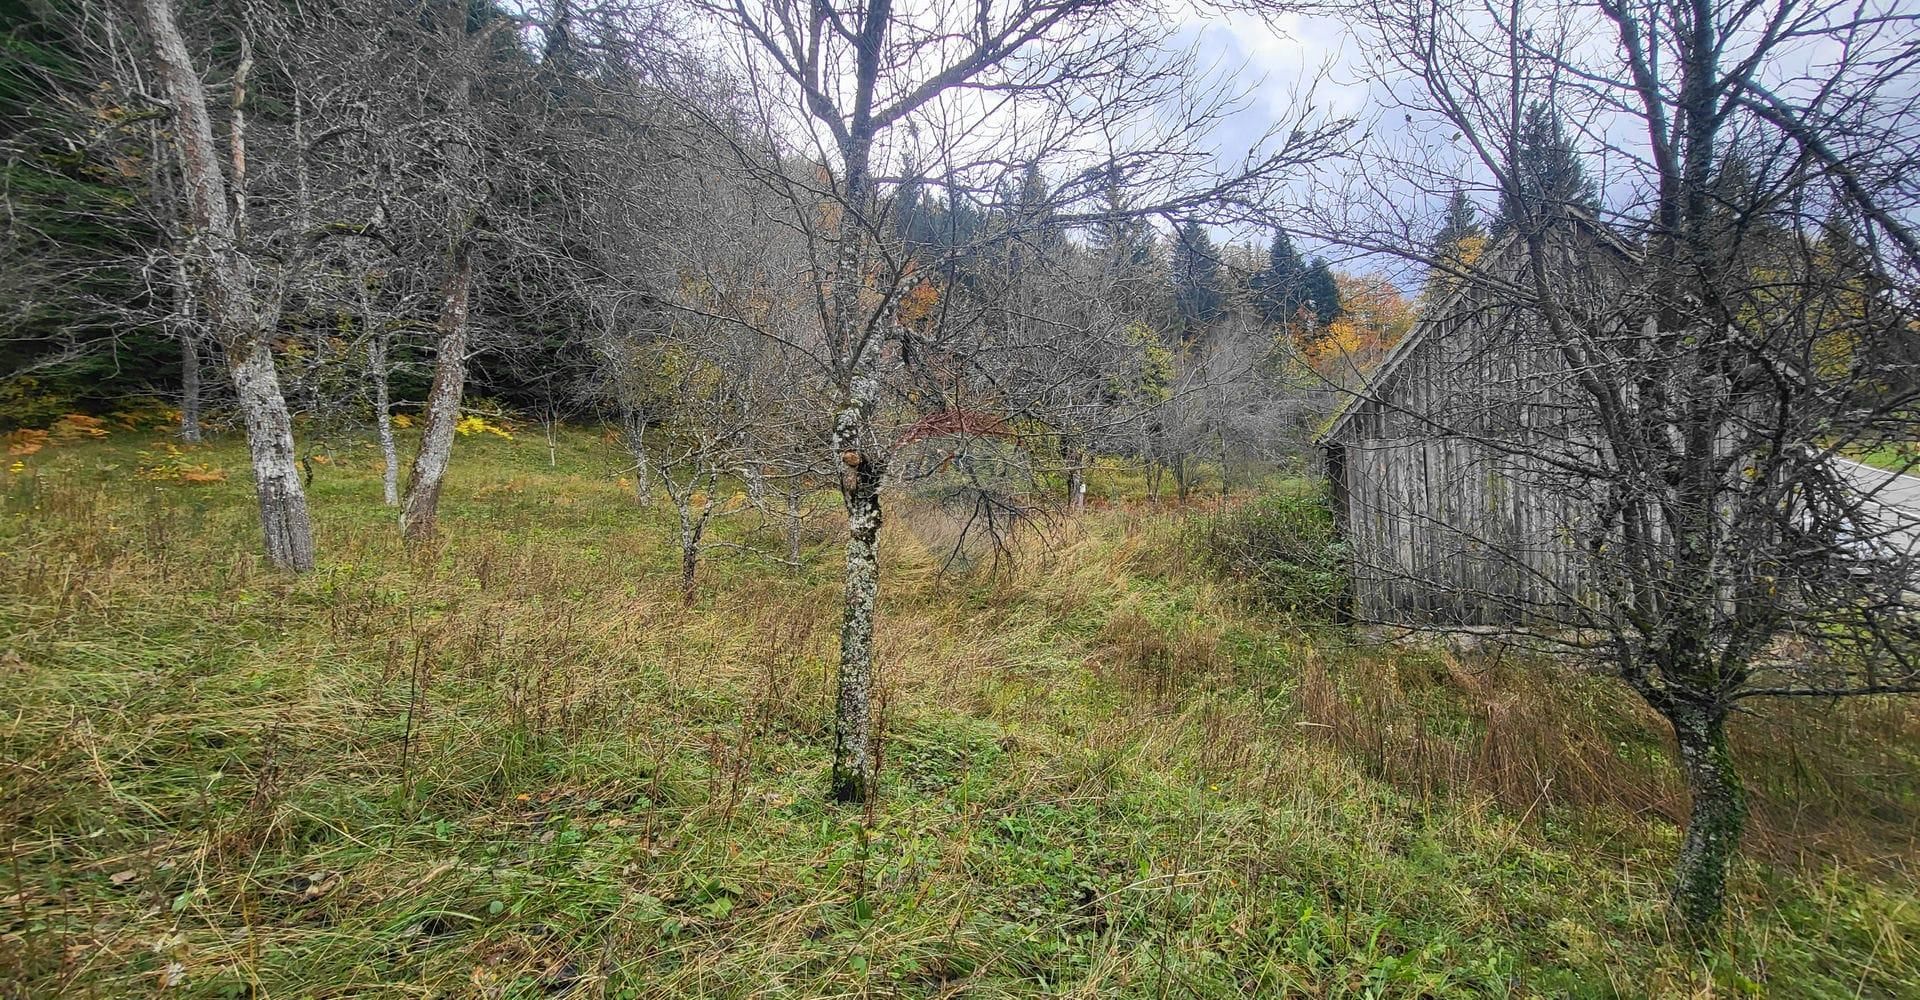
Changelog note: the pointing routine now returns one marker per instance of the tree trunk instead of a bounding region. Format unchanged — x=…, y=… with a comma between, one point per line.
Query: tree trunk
x=551, y=427
x=184, y=324
x=276, y=479
x=756, y=482
x=1717, y=817
x=228, y=297
x=1226, y=484
x=420, y=512
x=1077, y=482
x=793, y=529
x=383, y=417
x=853, y=758
x=857, y=350
x=419, y=517
x=189, y=386
x=642, y=468
x=689, y=559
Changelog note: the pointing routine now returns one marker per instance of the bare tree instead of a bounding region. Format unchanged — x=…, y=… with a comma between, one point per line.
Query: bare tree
x=1665, y=391
x=451, y=79
x=963, y=85
x=238, y=302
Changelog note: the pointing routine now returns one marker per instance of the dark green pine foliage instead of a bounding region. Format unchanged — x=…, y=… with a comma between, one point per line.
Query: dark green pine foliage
x=1550, y=178
x=939, y=229
x=1279, y=290
x=533, y=104
x=78, y=317
x=1018, y=228
x=1197, y=294
x=1321, y=292
x=1125, y=241
x=1462, y=222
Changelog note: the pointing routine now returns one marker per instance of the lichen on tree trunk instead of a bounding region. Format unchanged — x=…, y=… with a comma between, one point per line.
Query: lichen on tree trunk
x=1716, y=818
x=853, y=757
x=690, y=533
x=284, y=520
x=419, y=517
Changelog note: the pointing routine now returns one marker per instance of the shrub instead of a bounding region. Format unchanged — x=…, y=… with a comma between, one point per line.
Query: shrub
x=25, y=402
x=1280, y=549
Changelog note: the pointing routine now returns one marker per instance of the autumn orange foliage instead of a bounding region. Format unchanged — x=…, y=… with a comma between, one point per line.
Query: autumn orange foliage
x=1373, y=317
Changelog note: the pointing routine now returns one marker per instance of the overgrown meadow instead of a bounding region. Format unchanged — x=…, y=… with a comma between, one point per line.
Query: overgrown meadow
x=1128, y=763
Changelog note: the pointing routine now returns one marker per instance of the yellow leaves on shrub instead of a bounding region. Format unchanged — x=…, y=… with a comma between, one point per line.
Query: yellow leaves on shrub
x=918, y=304
x=171, y=467
x=476, y=424
x=402, y=420
x=26, y=442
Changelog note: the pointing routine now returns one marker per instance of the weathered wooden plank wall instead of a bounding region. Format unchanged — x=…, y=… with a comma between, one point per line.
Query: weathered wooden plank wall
x=1456, y=494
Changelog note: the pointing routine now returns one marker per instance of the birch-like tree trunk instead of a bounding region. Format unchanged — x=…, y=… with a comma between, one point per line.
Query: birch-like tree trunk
x=636, y=434
x=1077, y=480
x=283, y=504
x=188, y=331
x=419, y=517
x=228, y=297
x=379, y=347
x=190, y=386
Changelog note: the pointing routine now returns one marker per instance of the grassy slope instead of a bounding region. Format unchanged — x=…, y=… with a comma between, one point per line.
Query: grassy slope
x=511, y=765
x=1891, y=457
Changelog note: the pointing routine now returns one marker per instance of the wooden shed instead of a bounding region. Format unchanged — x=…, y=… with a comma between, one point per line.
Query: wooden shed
x=1450, y=470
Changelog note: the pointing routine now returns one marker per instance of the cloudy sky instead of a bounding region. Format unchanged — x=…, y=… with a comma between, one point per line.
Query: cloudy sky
x=1291, y=59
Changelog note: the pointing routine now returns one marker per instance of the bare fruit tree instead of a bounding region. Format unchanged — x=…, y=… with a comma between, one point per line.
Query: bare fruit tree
x=235, y=295
x=871, y=87
x=1663, y=395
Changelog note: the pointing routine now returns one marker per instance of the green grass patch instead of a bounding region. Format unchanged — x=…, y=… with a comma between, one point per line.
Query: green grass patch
x=509, y=764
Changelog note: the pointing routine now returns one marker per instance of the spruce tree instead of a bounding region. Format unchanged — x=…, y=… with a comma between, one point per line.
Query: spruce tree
x=1550, y=178
x=1125, y=242
x=1197, y=295
x=1461, y=223
x=1321, y=293
x=1277, y=291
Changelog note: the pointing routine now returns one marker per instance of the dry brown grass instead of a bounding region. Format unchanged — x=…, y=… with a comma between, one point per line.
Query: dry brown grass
x=1098, y=769
x=1536, y=736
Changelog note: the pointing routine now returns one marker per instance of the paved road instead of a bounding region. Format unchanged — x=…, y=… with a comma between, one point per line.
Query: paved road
x=1893, y=497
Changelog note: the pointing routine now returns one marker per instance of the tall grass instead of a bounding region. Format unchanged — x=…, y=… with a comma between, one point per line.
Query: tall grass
x=509, y=764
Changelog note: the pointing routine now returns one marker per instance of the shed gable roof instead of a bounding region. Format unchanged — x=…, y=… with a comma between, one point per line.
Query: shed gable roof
x=1435, y=320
